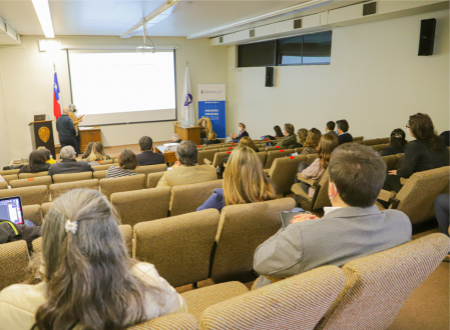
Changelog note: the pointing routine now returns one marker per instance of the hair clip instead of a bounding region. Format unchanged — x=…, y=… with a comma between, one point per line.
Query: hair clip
x=71, y=226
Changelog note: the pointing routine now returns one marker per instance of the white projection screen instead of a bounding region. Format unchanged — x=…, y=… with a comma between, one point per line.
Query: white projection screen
x=122, y=86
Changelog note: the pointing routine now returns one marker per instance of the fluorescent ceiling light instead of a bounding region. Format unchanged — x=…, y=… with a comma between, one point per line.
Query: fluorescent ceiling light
x=42, y=9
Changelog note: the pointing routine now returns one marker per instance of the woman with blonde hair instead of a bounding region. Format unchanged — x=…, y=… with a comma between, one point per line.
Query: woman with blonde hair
x=246, y=141
x=88, y=279
x=212, y=138
x=97, y=153
x=312, y=141
x=244, y=182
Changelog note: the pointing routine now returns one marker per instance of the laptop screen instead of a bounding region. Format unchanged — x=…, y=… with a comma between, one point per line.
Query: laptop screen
x=11, y=209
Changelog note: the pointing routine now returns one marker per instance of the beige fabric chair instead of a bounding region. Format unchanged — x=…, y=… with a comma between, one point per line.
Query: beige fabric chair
x=38, y=181
x=214, y=146
x=99, y=174
x=14, y=260
x=179, y=247
x=378, y=285
x=385, y=140
x=299, y=150
x=219, y=157
x=298, y=302
x=58, y=189
x=61, y=178
x=151, y=169
x=272, y=155
x=227, y=148
x=32, y=175
x=103, y=167
x=188, y=198
x=262, y=156
x=153, y=179
x=37, y=245
x=45, y=208
x=142, y=205
x=273, y=148
x=109, y=186
x=8, y=178
x=33, y=213
x=359, y=138
x=179, y=321
x=3, y=185
x=106, y=162
x=208, y=154
x=391, y=161
x=28, y=195
x=283, y=173
x=379, y=147
x=9, y=172
x=372, y=142
x=127, y=234
x=242, y=229
x=400, y=160
x=320, y=198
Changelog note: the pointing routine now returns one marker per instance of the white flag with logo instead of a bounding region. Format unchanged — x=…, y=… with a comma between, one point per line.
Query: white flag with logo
x=187, y=113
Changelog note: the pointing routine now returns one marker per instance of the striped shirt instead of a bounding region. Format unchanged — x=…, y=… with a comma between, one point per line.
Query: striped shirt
x=116, y=172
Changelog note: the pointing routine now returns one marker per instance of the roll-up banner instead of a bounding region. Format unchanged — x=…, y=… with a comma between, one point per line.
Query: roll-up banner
x=211, y=103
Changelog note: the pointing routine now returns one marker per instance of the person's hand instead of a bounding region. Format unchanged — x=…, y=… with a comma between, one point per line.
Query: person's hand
x=393, y=172
x=233, y=136
x=177, y=164
x=303, y=217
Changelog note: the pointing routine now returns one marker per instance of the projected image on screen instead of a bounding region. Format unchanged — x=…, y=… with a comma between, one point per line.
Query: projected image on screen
x=120, y=84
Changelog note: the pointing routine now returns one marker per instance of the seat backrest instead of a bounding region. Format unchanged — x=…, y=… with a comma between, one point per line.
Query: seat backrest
x=189, y=197
x=8, y=178
x=33, y=213
x=385, y=140
x=109, y=186
x=273, y=148
x=208, y=154
x=377, y=286
x=151, y=169
x=45, y=208
x=28, y=195
x=106, y=162
x=142, y=205
x=32, y=175
x=9, y=172
x=58, y=189
x=322, y=199
x=102, y=167
x=311, y=158
x=99, y=174
x=153, y=179
x=390, y=161
x=219, y=157
x=70, y=177
x=371, y=142
x=358, y=138
x=179, y=247
x=379, y=147
x=14, y=260
x=283, y=173
x=178, y=321
x=419, y=192
x=262, y=156
x=215, y=146
x=272, y=155
x=301, y=301
x=229, y=148
x=242, y=228
x=299, y=150
x=400, y=160
x=3, y=185
x=38, y=181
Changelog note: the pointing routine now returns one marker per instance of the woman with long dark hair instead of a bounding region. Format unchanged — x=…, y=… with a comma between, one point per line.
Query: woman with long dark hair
x=397, y=143
x=36, y=163
x=312, y=141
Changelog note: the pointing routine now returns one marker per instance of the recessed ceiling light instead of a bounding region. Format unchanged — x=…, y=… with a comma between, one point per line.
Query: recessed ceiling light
x=42, y=9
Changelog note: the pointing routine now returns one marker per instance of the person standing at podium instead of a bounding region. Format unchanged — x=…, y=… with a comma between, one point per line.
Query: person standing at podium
x=76, y=120
x=66, y=131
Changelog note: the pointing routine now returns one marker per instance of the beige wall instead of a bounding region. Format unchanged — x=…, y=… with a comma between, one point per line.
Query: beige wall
x=27, y=79
x=375, y=81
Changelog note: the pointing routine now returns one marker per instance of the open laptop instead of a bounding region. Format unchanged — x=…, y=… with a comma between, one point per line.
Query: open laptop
x=287, y=216
x=11, y=209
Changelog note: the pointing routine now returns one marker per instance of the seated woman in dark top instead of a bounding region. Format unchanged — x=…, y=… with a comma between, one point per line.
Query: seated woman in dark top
x=278, y=133
x=36, y=163
x=397, y=143
x=427, y=152
x=212, y=138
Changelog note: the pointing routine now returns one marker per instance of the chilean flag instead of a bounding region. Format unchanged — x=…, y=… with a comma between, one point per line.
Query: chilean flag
x=56, y=98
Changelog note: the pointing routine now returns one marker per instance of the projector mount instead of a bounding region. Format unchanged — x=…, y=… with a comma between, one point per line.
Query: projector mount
x=145, y=48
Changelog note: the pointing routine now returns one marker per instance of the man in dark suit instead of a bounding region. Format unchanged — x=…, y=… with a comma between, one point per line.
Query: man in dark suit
x=352, y=228
x=242, y=133
x=69, y=163
x=330, y=128
x=66, y=130
x=342, y=129
x=147, y=156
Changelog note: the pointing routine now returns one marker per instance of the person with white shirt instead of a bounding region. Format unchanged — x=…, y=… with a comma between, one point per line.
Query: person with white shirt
x=352, y=228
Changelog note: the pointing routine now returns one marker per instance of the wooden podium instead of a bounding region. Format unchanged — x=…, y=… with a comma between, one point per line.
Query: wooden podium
x=88, y=135
x=42, y=135
x=187, y=132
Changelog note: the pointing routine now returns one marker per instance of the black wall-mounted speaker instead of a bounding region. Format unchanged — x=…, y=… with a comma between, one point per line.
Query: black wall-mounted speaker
x=298, y=24
x=369, y=8
x=251, y=33
x=270, y=76
x=426, y=42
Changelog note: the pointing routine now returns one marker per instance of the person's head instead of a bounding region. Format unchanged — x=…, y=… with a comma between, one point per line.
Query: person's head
x=313, y=138
x=175, y=137
x=241, y=127
x=68, y=152
x=36, y=158
x=342, y=126
x=421, y=127
x=212, y=135
x=244, y=178
x=397, y=139
x=330, y=126
x=145, y=143
x=327, y=143
x=289, y=129
x=248, y=142
x=88, y=150
x=46, y=152
x=97, y=153
x=302, y=134
x=72, y=107
x=278, y=132
x=87, y=270
x=357, y=174
x=65, y=111
x=187, y=153
x=128, y=160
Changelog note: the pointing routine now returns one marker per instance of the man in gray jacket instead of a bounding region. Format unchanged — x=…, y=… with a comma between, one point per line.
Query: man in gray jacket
x=353, y=228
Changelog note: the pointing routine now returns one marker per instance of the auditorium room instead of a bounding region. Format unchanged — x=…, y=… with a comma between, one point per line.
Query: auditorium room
x=224, y=165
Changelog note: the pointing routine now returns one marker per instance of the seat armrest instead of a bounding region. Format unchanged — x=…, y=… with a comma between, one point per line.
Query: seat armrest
x=207, y=161
x=311, y=182
x=403, y=181
x=386, y=195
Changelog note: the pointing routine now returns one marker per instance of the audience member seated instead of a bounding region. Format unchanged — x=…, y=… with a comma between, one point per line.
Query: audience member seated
x=186, y=170
x=330, y=128
x=212, y=138
x=352, y=228
x=69, y=164
x=328, y=142
x=97, y=153
x=176, y=138
x=127, y=164
x=302, y=134
x=342, y=129
x=245, y=142
x=88, y=280
x=36, y=163
x=278, y=133
x=147, y=156
x=312, y=141
x=446, y=137
x=427, y=152
x=442, y=209
x=242, y=133
x=244, y=181
x=290, y=138
x=88, y=150
x=47, y=154
x=397, y=143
